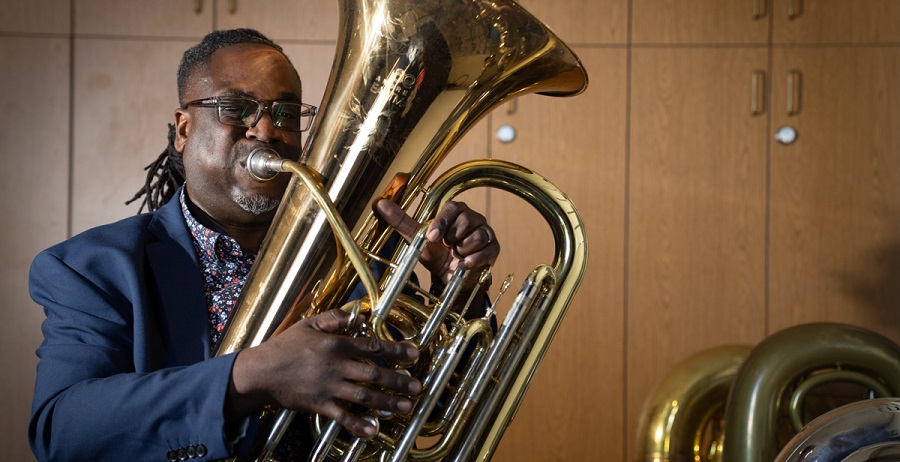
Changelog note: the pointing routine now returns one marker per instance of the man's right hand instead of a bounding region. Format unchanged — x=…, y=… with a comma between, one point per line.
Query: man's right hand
x=311, y=367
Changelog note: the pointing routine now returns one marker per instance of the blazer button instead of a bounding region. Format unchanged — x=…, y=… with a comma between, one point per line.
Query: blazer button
x=182, y=454
x=201, y=450
x=172, y=456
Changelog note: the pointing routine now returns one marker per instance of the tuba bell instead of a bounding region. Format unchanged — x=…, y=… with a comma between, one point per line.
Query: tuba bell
x=409, y=79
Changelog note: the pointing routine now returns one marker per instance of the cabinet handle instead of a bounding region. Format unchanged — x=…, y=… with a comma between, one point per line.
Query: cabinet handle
x=232, y=6
x=198, y=6
x=793, y=92
x=757, y=89
x=793, y=9
x=512, y=106
x=759, y=8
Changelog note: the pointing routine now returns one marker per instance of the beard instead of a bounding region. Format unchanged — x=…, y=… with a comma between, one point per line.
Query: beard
x=256, y=204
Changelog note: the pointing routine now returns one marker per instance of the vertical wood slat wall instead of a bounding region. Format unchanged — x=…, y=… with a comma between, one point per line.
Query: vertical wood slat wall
x=703, y=230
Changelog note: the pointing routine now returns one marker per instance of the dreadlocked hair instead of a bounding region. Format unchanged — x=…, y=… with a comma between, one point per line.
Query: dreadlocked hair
x=164, y=176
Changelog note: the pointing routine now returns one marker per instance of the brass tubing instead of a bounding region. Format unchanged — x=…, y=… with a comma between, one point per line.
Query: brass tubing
x=568, y=265
x=436, y=384
x=681, y=404
x=526, y=315
x=341, y=232
x=795, y=409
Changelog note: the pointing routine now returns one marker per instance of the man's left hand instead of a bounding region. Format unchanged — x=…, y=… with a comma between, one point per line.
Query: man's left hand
x=458, y=237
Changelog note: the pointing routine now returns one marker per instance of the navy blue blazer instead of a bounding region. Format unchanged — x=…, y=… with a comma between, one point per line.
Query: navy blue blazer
x=125, y=371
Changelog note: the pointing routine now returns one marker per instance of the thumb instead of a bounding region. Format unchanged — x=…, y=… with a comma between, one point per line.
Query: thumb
x=397, y=218
x=332, y=321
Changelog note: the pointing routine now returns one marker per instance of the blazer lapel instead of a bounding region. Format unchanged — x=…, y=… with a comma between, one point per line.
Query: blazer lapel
x=182, y=304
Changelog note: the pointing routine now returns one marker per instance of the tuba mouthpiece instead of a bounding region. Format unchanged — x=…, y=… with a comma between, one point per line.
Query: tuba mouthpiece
x=264, y=163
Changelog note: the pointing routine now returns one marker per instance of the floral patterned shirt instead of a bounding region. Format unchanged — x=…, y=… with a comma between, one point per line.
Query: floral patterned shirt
x=224, y=266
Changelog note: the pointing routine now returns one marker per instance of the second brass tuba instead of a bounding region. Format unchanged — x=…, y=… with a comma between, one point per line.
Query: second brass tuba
x=409, y=79
x=757, y=397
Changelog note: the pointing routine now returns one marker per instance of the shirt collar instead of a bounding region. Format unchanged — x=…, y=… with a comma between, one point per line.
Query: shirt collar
x=209, y=243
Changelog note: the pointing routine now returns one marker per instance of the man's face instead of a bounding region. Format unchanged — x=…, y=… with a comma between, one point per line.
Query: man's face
x=214, y=157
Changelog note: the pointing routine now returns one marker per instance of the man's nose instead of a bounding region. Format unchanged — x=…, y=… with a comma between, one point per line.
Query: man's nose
x=264, y=129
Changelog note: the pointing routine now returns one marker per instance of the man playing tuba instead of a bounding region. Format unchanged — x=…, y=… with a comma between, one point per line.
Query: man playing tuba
x=134, y=309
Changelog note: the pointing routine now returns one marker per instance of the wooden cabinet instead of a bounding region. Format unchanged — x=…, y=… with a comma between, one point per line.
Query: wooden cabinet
x=126, y=54
x=835, y=193
x=733, y=235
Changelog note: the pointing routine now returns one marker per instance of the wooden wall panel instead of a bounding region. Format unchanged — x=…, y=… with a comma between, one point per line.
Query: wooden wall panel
x=835, y=246
x=697, y=195
x=699, y=22
x=583, y=21
x=36, y=16
x=281, y=19
x=34, y=187
x=313, y=63
x=159, y=18
x=578, y=143
x=835, y=21
x=125, y=97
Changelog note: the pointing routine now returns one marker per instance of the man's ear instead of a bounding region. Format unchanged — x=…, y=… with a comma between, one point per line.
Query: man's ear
x=182, y=128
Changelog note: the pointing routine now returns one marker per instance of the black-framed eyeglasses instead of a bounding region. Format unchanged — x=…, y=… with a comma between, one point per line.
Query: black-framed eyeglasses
x=246, y=112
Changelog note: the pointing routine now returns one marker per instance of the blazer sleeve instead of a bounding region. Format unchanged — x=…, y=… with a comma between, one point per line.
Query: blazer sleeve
x=92, y=402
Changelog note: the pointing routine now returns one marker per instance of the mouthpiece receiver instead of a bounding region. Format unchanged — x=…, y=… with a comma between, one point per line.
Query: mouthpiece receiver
x=264, y=163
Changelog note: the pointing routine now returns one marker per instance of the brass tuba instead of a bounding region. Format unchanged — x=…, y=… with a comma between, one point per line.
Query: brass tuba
x=410, y=77
x=681, y=419
x=756, y=397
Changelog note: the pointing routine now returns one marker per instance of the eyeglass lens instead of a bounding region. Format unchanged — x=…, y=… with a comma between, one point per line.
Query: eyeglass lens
x=246, y=112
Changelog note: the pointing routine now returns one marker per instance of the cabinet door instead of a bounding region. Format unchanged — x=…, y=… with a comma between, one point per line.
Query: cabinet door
x=835, y=200
x=836, y=21
x=696, y=228
x=699, y=21
x=578, y=143
x=139, y=18
x=281, y=19
x=34, y=183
